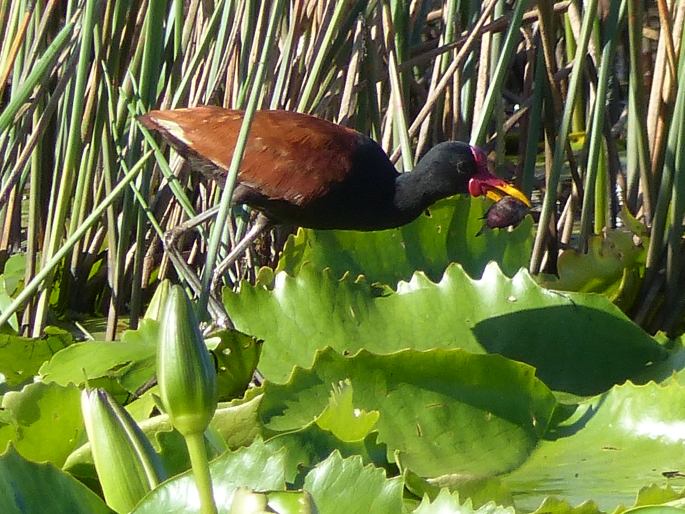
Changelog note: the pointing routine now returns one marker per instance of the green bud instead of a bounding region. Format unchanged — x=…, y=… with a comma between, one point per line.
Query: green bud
x=126, y=463
x=245, y=500
x=154, y=310
x=185, y=370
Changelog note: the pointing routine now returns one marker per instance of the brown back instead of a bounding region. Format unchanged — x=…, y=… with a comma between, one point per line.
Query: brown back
x=289, y=156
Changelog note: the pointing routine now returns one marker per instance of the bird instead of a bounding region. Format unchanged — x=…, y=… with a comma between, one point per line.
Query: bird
x=298, y=169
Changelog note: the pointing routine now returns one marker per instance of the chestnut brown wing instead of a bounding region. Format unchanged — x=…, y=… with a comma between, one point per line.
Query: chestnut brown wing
x=289, y=156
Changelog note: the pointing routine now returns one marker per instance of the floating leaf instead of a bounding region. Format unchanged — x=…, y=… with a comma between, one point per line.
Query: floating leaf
x=13, y=273
x=580, y=343
x=654, y=494
x=27, y=487
x=655, y=509
x=346, y=486
x=441, y=411
x=308, y=447
x=255, y=467
x=130, y=362
x=236, y=357
x=480, y=490
x=448, y=233
x=43, y=422
x=341, y=417
x=446, y=503
x=552, y=505
x=238, y=422
x=612, y=266
x=614, y=444
x=21, y=357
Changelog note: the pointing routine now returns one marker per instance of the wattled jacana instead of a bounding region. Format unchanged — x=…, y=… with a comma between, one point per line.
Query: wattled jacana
x=301, y=170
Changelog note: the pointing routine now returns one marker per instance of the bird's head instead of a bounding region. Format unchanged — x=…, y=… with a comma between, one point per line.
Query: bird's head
x=472, y=176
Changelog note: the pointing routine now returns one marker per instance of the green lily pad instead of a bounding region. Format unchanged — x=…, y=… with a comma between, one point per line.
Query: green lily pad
x=615, y=444
x=440, y=411
x=445, y=234
x=341, y=418
x=346, y=486
x=21, y=357
x=13, y=273
x=12, y=325
x=43, y=422
x=236, y=358
x=311, y=445
x=255, y=467
x=553, y=505
x=449, y=503
x=654, y=495
x=671, y=367
x=238, y=421
x=613, y=266
x=580, y=343
x=656, y=509
x=27, y=487
x=130, y=362
x=479, y=490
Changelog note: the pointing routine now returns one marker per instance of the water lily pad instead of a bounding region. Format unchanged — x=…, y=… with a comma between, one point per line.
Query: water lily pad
x=346, y=486
x=613, y=266
x=27, y=487
x=42, y=421
x=615, y=444
x=255, y=467
x=129, y=362
x=446, y=233
x=578, y=342
x=440, y=411
x=21, y=357
x=447, y=503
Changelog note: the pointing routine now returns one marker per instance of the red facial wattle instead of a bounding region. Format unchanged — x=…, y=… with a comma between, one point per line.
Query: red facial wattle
x=481, y=159
x=484, y=183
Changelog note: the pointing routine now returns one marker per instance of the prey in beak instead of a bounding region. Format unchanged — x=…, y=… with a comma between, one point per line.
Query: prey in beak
x=487, y=184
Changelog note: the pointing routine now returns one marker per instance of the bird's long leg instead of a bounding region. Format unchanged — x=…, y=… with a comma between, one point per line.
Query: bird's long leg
x=261, y=224
x=216, y=309
x=171, y=235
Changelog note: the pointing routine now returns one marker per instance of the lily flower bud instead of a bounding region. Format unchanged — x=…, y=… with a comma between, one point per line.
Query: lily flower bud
x=185, y=370
x=126, y=463
x=156, y=307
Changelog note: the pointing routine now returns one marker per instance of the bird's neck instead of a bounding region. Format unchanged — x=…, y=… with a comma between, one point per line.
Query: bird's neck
x=417, y=190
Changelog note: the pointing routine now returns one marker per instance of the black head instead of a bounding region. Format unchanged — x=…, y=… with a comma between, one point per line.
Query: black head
x=451, y=164
x=454, y=167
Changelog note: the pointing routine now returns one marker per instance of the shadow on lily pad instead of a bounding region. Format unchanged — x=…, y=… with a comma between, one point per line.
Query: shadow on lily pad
x=583, y=351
